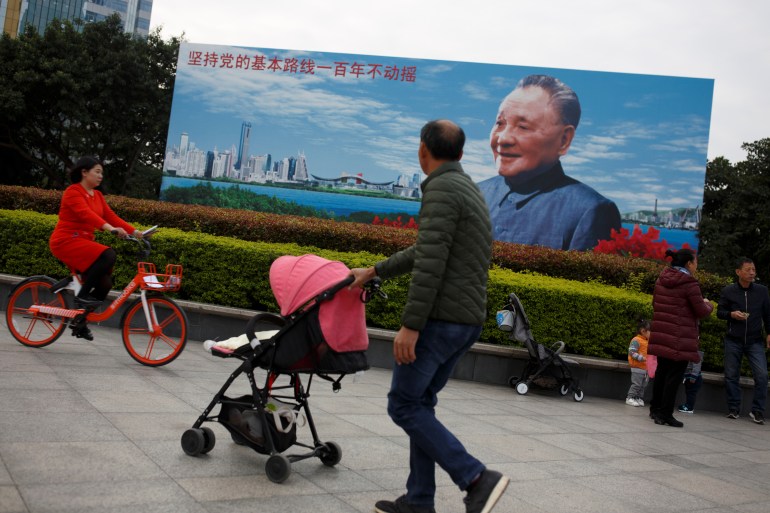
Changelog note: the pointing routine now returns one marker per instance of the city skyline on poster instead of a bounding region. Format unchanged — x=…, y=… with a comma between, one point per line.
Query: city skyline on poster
x=642, y=140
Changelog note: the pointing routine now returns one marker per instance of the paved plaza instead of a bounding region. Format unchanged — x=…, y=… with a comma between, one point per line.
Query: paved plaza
x=84, y=428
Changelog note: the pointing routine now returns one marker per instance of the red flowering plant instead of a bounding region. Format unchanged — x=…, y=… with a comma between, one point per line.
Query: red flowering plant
x=398, y=223
x=635, y=244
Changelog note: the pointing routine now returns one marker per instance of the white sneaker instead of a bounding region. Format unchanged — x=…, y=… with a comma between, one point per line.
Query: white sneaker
x=639, y=401
x=631, y=401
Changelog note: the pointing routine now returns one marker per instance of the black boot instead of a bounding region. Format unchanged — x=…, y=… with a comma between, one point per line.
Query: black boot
x=80, y=328
x=668, y=421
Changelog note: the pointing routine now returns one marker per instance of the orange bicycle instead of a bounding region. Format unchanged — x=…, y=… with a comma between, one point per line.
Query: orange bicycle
x=153, y=326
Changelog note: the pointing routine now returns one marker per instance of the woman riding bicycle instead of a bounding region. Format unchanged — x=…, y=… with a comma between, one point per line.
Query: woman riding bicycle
x=84, y=210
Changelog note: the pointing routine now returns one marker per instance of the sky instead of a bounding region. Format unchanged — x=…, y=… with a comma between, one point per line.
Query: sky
x=724, y=41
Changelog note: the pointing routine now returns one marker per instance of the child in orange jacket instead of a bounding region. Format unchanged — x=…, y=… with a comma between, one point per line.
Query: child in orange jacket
x=637, y=359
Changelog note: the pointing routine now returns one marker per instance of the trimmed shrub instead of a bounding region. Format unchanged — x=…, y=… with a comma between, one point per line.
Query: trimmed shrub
x=591, y=318
x=629, y=273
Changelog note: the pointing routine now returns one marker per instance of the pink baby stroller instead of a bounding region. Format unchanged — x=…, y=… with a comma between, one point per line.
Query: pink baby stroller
x=321, y=331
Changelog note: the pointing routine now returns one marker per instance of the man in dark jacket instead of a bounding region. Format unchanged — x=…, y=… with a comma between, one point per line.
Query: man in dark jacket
x=445, y=309
x=745, y=306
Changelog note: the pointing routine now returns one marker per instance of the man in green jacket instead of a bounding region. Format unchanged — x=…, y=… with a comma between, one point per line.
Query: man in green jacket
x=445, y=309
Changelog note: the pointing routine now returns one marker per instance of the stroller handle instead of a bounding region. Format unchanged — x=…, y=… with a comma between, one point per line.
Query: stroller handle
x=370, y=288
x=329, y=293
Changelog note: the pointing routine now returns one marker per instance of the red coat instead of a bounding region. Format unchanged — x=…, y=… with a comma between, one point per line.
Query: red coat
x=72, y=241
x=677, y=304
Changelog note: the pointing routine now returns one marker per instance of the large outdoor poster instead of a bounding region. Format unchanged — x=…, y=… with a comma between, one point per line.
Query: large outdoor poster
x=561, y=159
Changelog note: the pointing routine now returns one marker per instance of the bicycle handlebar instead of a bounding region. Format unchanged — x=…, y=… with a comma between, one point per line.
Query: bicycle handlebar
x=143, y=243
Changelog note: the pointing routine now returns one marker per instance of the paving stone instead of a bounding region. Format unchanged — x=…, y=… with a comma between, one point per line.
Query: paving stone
x=84, y=428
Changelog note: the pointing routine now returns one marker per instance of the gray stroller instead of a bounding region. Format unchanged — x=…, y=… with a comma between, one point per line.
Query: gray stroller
x=546, y=367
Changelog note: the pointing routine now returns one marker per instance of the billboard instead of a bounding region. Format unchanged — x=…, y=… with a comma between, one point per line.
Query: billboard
x=336, y=135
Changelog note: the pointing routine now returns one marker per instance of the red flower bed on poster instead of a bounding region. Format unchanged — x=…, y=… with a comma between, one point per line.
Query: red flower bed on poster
x=635, y=244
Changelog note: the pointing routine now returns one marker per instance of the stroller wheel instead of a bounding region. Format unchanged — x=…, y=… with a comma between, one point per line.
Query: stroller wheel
x=331, y=454
x=278, y=468
x=522, y=388
x=578, y=395
x=194, y=442
x=564, y=390
x=210, y=440
x=513, y=380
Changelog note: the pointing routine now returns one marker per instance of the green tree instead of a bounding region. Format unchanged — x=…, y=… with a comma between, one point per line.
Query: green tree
x=90, y=90
x=736, y=212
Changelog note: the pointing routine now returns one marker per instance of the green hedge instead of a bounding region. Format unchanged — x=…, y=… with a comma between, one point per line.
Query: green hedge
x=591, y=318
x=630, y=273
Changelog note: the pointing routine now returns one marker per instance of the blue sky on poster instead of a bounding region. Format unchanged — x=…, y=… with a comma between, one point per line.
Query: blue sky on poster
x=636, y=131
x=706, y=39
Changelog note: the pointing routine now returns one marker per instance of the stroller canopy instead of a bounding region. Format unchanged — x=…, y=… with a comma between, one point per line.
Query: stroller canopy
x=295, y=280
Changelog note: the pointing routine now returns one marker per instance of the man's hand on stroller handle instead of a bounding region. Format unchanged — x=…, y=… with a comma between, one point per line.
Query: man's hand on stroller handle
x=406, y=338
x=361, y=276
x=368, y=282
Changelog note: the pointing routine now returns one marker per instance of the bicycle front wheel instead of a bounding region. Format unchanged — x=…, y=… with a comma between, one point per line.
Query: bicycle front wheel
x=29, y=327
x=155, y=337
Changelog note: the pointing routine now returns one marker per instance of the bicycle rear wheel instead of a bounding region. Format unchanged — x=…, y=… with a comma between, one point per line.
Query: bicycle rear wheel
x=158, y=341
x=35, y=329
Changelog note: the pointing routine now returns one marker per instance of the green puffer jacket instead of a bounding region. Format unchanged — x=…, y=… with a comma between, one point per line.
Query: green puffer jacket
x=450, y=260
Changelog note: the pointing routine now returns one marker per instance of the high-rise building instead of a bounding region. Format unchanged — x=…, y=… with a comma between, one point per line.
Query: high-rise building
x=243, y=147
x=210, y=155
x=231, y=172
x=15, y=15
x=39, y=13
x=10, y=16
x=195, y=163
x=300, y=170
x=184, y=142
x=259, y=166
x=222, y=164
x=292, y=167
x=134, y=13
x=268, y=162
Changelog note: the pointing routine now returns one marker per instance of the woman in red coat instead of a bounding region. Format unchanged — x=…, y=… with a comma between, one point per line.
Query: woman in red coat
x=677, y=306
x=82, y=211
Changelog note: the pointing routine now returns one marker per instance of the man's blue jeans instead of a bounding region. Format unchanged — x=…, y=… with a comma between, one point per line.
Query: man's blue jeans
x=755, y=353
x=411, y=405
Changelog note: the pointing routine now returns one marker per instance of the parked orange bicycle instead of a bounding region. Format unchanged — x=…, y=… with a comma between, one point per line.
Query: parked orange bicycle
x=153, y=326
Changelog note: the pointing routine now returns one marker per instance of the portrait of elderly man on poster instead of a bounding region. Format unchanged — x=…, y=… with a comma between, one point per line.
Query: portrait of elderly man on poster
x=532, y=200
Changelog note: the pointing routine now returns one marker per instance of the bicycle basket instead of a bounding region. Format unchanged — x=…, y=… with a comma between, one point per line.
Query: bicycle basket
x=171, y=281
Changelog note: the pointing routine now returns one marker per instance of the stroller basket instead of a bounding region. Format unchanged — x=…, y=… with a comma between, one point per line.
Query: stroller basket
x=247, y=425
x=321, y=331
x=546, y=367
